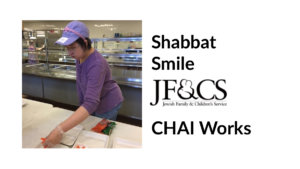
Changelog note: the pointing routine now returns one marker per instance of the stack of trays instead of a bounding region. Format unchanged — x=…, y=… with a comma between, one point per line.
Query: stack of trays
x=70, y=137
x=123, y=143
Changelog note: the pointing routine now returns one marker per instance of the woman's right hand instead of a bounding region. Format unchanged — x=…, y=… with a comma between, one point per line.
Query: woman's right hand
x=53, y=138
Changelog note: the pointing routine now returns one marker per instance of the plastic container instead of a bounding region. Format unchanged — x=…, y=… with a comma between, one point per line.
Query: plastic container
x=70, y=137
x=89, y=139
x=123, y=143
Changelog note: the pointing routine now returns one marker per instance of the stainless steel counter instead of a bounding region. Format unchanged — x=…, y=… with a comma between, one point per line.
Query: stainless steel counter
x=129, y=77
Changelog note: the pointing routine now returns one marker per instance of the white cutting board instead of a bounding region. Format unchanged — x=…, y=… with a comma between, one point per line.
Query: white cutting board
x=43, y=123
x=32, y=110
x=90, y=139
x=32, y=135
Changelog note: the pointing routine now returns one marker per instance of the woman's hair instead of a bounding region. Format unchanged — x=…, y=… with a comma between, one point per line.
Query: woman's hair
x=80, y=41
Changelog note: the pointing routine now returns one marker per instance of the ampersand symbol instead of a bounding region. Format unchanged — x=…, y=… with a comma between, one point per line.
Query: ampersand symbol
x=185, y=90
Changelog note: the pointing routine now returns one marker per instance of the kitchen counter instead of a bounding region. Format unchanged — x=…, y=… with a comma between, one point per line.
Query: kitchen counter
x=39, y=119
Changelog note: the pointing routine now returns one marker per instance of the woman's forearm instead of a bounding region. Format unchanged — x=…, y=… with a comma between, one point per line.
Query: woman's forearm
x=77, y=117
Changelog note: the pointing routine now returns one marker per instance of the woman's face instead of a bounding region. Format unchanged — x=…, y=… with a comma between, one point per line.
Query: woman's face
x=75, y=51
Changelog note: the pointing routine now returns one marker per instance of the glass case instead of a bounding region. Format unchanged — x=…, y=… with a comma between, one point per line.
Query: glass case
x=124, y=55
x=42, y=57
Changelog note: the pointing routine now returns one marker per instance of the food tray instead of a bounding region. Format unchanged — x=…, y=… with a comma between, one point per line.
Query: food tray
x=123, y=143
x=70, y=137
x=90, y=139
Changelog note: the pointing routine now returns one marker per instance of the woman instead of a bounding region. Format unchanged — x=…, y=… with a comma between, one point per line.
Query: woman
x=32, y=57
x=99, y=95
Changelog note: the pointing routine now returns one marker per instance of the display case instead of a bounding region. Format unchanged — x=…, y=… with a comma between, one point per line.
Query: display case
x=41, y=56
x=124, y=55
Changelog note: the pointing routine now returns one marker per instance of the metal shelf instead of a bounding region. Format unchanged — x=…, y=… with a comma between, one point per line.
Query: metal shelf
x=118, y=39
x=135, y=50
x=122, y=54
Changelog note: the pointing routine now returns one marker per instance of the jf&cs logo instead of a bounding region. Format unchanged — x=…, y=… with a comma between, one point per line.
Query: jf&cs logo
x=189, y=95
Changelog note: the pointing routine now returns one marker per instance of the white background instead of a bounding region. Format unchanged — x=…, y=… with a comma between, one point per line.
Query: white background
x=257, y=53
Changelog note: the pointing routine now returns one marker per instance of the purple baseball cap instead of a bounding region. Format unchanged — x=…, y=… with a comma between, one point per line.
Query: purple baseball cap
x=72, y=32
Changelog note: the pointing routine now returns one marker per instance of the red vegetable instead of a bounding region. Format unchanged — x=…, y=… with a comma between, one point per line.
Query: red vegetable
x=100, y=126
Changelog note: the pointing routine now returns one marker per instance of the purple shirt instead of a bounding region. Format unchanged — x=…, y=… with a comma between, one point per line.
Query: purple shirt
x=96, y=90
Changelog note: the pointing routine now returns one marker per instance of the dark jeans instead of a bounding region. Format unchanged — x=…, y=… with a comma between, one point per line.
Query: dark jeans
x=111, y=115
